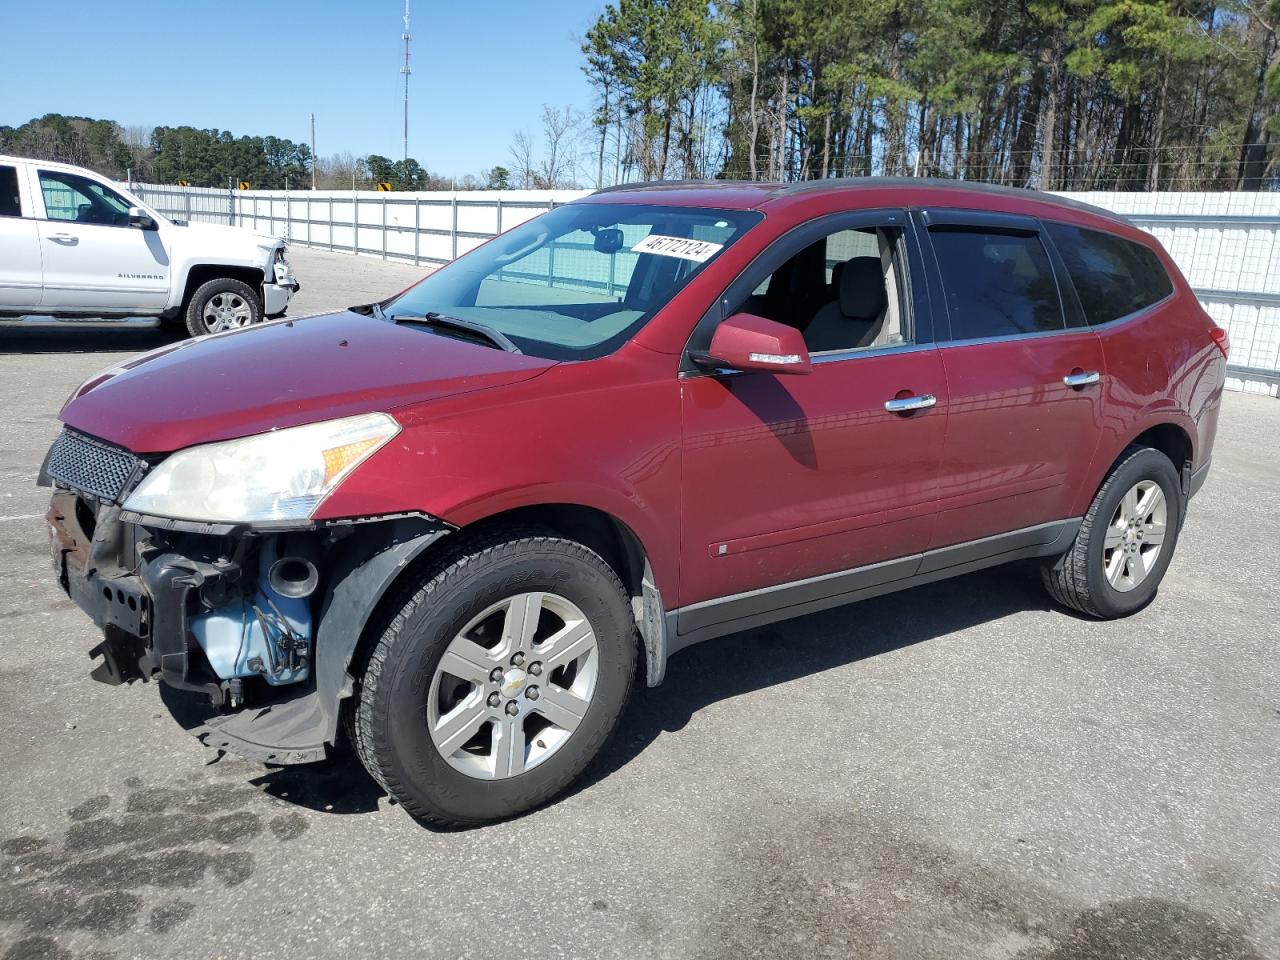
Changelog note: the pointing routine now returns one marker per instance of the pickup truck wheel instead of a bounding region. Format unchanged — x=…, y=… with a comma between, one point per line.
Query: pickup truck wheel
x=1126, y=541
x=498, y=678
x=222, y=304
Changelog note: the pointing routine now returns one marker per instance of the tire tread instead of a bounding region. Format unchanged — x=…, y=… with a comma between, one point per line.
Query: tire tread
x=368, y=712
x=1066, y=578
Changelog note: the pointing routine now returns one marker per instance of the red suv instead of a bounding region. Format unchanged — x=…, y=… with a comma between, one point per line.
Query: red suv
x=454, y=521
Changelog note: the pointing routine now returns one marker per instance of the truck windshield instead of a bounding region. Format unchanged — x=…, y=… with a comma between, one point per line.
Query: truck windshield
x=578, y=281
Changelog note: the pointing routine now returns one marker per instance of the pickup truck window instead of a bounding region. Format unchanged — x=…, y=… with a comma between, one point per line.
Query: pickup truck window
x=10, y=202
x=68, y=196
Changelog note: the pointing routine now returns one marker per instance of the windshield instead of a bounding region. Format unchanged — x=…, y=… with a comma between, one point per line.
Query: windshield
x=578, y=281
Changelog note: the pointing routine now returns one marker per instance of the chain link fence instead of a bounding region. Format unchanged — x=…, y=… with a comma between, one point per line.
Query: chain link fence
x=1227, y=244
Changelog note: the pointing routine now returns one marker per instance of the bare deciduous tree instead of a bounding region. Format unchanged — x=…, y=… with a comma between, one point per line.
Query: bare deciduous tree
x=522, y=152
x=560, y=130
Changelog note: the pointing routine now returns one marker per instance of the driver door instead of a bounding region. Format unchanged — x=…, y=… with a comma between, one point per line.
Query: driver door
x=799, y=489
x=93, y=259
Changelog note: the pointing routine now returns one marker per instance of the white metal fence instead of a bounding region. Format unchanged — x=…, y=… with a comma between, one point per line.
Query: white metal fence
x=1227, y=244
x=425, y=227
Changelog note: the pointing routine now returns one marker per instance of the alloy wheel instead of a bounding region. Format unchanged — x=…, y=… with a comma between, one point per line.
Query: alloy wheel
x=226, y=311
x=513, y=685
x=1135, y=536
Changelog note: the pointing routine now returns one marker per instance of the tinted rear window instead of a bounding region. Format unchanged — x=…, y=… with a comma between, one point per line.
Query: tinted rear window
x=10, y=205
x=997, y=284
x=1113, y=277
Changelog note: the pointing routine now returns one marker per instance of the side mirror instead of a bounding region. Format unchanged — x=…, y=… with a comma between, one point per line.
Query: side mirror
x=141, y=219
x=747, y=342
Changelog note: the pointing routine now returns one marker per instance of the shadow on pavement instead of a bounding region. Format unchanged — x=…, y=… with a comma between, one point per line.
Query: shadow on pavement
x=706, y=673
x=128, y=336
x=766, y=656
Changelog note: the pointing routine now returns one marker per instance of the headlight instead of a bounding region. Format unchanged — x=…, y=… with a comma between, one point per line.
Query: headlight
x=282, y=475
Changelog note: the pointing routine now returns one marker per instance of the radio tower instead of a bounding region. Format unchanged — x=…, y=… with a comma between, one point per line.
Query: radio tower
x=406, y=71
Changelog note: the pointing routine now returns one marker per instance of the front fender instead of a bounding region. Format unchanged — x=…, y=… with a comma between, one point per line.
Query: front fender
x=368, y=564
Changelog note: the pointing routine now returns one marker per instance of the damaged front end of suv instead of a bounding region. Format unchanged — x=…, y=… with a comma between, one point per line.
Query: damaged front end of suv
x=205, y=569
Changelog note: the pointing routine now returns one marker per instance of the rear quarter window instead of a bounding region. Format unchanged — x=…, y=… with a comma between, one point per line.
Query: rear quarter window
x=1113, y=277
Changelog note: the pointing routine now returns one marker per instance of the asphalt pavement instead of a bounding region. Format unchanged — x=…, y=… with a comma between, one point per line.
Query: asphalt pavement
x=961, y=770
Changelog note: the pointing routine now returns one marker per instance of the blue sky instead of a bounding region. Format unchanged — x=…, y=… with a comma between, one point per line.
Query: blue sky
x=481, y=69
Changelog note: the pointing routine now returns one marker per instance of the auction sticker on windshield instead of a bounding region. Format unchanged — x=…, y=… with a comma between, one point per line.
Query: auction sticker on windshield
x=699, y=251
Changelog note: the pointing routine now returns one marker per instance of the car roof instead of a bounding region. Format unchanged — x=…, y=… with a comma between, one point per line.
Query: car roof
x=50, y=165
x=908, y=191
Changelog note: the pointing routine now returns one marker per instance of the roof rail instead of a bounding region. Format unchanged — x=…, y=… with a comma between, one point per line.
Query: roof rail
x=676, y=184
x=776, y=189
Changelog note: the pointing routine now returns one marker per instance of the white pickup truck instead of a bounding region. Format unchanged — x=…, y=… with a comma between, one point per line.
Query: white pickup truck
x=74, y=244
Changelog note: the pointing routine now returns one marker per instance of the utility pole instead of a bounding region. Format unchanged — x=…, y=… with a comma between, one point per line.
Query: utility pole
x=406, y=71
x=313, y=151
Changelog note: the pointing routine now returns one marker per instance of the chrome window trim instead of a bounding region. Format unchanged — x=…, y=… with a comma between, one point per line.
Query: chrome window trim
x=1135, y=314
x=832, y=356
x=1011, y=337
x=857, y=353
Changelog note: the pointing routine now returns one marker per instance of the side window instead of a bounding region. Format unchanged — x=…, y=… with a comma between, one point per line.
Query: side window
x=996, y=284
x=68, y=196
x=10, y=201
x=841, y=292
x=1113, y=277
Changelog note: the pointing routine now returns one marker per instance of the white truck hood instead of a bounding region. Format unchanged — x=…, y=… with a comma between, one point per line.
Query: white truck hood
x=217, y=233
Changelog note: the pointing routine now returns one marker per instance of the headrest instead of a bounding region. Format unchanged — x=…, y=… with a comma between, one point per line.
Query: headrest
x=862, y=288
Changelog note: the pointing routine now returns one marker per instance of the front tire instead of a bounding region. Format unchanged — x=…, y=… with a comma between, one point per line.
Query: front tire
x=222, y=304
x=497, y=679
x=1125, y=542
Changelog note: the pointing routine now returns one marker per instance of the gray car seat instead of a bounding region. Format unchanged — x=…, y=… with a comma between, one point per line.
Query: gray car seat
x=855, y=316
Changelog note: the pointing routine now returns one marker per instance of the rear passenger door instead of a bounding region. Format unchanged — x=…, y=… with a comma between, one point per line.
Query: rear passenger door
x=1023, y=372
x=20, y=271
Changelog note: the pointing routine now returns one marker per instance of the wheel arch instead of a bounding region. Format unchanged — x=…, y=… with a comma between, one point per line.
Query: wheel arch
x=202, y=273
x=375, y=574
x=1171, y=439
x=617, y=543
x=1174, y=436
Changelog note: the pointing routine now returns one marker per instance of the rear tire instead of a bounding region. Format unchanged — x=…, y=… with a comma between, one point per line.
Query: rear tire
x=1125, y=542
x=222, y=304
x=410, y=695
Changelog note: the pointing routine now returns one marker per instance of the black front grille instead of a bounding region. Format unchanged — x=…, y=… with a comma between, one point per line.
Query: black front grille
x=91, y=466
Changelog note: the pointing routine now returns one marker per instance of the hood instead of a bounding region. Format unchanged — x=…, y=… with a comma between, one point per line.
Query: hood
x=282, y=374
x=223, y=232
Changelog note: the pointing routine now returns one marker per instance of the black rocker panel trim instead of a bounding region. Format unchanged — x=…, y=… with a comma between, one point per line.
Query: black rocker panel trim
x=714, y=618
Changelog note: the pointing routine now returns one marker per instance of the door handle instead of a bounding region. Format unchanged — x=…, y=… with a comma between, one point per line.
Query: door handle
x=65, y=238
x=910, y=404
x=1082, y=379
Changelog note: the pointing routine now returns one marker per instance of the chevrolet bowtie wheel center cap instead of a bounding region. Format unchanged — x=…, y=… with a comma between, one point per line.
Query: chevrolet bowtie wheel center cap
x=513, y=681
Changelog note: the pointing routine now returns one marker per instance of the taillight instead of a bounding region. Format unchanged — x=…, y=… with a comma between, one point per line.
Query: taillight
x=1220, y=338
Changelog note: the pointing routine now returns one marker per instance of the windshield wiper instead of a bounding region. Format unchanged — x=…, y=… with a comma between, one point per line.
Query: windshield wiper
x=446, y=322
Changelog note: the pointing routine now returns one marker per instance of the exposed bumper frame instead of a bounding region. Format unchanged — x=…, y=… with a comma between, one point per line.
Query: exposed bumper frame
x=140, y=598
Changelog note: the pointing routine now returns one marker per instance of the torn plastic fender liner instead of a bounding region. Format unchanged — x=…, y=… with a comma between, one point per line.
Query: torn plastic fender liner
x=367, y=564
